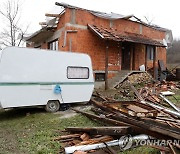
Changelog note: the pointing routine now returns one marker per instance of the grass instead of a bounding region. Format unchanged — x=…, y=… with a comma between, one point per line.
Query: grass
x=142, y=150
x=175, y=98
x=32, y=130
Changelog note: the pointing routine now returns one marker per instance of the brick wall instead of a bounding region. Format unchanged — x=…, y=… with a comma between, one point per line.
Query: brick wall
x=85, y=41
x=44, y=45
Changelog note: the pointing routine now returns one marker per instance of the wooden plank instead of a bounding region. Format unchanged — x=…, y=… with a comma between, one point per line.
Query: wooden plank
x=67, y=137
x=52, y=15
x=157, y=107
x=172, y=149
x=42, y=23
x=102, y=130
x=85, y=137
x=148, y=126
x=154, y=63
x=154, y=127
x=96, y=140
x=106, y=67
x=102, y=119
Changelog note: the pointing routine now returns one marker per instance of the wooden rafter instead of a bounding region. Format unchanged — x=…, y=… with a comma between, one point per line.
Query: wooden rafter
x=52, y=15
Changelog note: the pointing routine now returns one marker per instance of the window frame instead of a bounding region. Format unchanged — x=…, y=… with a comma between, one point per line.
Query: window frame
x=54, y=42
x=77, y=67
x=150, y=50
x=97, y=78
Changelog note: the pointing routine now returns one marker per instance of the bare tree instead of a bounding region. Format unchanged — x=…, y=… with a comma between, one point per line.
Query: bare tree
x=12, y=32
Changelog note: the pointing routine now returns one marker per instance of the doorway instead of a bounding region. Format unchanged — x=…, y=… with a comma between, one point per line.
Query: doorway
x=126, y=56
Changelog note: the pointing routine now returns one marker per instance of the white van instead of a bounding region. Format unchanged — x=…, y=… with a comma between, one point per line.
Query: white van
x=31, y=77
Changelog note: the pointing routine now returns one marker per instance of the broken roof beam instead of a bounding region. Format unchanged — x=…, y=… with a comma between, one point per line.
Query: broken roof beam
x=52, y=15
x=42, y=23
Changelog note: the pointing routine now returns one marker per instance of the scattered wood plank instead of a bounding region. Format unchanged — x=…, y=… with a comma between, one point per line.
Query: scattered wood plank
x=141, y=123
x=121, y=130
x=85, y=136
x=102, y=119
x=172, y=149
x=67, y=137
x=97, y=140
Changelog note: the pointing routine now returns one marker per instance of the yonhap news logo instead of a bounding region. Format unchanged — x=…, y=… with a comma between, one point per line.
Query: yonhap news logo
x=127, y=142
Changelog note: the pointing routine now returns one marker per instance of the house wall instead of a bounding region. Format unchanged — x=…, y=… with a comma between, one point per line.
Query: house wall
x=87, y=42
x=140, y=51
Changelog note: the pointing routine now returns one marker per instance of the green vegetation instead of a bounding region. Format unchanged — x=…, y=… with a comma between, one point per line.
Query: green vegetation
x=32, y=130
x=142, y=150
x=175, y=98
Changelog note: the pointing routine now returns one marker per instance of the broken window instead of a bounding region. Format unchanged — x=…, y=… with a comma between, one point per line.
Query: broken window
x=150, y=52
x=53, y=45
x=74, y=72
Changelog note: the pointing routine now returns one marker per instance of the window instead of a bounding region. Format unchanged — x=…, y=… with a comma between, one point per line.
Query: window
x=77, y=72
x=150, y=52
x=99, y=76
x=53, y=45
x=38, y=47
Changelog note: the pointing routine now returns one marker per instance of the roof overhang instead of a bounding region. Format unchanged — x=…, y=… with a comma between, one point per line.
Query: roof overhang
x=41, y=35
x=113, y=35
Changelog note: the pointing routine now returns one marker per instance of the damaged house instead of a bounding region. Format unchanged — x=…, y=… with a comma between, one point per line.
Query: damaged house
x=113, y=41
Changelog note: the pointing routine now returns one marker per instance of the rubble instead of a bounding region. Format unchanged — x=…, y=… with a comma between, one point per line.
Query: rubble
x=149, y=112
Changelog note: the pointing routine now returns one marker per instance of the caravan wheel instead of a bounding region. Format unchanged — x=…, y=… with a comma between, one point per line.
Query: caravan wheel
x=52, y=106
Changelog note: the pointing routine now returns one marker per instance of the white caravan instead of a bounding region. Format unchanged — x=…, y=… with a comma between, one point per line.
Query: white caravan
x=31, y=77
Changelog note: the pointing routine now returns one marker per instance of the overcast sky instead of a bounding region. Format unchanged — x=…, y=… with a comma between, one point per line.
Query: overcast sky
x=161, y=12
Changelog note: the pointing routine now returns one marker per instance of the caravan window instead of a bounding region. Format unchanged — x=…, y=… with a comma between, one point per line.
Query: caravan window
x=77, y=72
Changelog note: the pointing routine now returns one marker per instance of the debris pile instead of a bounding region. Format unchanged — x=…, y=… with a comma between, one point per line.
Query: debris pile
x=136, y=78
x=149, y=117
x=140, y=78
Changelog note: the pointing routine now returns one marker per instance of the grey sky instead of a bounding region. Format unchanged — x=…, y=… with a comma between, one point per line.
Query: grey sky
x=163, y=13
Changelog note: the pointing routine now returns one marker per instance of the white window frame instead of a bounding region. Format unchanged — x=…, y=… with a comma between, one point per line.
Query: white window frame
x=53, y=45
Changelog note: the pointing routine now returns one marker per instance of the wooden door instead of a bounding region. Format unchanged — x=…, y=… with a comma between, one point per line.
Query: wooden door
x=126, y=56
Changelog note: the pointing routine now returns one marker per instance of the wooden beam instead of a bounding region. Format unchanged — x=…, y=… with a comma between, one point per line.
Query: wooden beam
x=52, y=15
x=106, y=66
x=67, y=137
x=154, y=63
x=146, y=58
x=152, y=129
x=42, y=23
x=131, y=58
x=102, y=119
x=120, y=130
